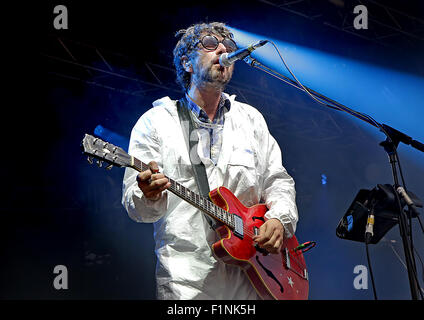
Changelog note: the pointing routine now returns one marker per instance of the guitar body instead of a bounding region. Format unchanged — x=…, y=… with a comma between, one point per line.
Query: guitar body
x=281, y=276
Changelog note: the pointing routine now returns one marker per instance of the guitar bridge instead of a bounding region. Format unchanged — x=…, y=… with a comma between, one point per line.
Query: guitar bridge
x=238, y=226
x=305, y=274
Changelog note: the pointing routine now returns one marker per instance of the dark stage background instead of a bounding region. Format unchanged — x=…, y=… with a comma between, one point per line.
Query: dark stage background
x=105, y=70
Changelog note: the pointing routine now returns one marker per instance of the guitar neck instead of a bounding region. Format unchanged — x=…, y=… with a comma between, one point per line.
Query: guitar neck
x=191, y=197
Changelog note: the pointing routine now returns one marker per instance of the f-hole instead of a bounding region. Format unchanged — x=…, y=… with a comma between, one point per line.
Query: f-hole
x=259, y=218
x=270, y=274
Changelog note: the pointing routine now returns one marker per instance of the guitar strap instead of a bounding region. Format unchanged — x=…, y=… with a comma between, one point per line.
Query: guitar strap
x=197, y=165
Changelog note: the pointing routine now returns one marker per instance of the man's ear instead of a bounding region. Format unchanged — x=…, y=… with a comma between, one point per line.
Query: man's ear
x=186, y=64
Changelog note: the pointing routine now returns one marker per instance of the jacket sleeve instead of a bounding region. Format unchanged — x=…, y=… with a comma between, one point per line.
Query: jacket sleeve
x=145, y=145
x=279, y=191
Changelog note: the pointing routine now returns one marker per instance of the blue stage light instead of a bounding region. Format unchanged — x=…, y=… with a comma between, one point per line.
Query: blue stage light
x=111, y=137
x=389, y=96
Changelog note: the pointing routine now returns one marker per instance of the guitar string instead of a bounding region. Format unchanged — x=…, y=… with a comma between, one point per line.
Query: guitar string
x=300, y=265
x=202, y=199
x=285, y=261
x=246, y=231
x=294, y=262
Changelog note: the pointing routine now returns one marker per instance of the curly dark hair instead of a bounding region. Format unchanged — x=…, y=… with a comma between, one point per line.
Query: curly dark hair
x=186, y=46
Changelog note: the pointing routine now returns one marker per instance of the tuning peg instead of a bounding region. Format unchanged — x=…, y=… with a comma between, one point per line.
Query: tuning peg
x=99, y=163
x=90, y=160
x=109, y=167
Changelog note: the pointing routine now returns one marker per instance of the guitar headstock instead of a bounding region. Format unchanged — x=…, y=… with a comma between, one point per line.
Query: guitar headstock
x=104, y=152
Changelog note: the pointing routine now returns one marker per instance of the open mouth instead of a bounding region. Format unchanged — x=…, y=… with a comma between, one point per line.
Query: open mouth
x=216, y=62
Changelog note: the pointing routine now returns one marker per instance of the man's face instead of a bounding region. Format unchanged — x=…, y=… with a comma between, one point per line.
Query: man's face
x=206, y=68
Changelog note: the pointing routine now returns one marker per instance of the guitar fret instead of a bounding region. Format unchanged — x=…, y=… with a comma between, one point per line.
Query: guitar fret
x=108, y=152
x=138, y=164
x=104, y=151
x=200, y=202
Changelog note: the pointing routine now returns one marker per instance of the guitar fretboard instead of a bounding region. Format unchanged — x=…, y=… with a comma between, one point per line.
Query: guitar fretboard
x=193, y=198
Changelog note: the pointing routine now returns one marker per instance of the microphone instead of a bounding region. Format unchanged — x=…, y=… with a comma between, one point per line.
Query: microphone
x=227, y=59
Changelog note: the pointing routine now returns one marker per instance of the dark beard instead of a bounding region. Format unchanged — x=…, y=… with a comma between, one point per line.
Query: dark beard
x=207, y=77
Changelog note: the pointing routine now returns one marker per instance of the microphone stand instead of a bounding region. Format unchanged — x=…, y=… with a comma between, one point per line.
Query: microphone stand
x=393, y=137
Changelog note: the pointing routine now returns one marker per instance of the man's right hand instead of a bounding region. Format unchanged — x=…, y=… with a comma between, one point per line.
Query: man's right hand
x=151, y=182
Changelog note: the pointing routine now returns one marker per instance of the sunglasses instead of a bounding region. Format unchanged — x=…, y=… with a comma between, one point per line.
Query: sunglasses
x=210, y=42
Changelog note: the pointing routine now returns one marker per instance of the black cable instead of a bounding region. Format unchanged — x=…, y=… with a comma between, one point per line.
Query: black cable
x=396, y=168
x=413, y=250
x=422, y=268
x=422, y=264
x=413, y=271
x=404, y=186
x=409, y=226
x=367, y=239
x=421, y=224
x=360, y=114
x=369, y=232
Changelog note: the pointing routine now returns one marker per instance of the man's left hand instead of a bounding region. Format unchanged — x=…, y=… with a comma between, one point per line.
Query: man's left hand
x=271, y=236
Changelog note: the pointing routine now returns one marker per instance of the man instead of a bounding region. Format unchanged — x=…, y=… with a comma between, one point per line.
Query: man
x=237, y=151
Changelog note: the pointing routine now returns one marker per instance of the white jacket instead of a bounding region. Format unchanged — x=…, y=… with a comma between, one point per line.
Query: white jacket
x=249, y=165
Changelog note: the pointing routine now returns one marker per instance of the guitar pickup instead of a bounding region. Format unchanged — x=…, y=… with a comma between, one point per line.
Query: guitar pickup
x=238, y=226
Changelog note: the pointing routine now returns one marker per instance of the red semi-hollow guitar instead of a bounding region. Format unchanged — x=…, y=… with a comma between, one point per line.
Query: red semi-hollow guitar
x=281, y=276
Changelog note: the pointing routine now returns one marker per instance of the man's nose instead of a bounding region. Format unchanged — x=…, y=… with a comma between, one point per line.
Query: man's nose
x=221, y=49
